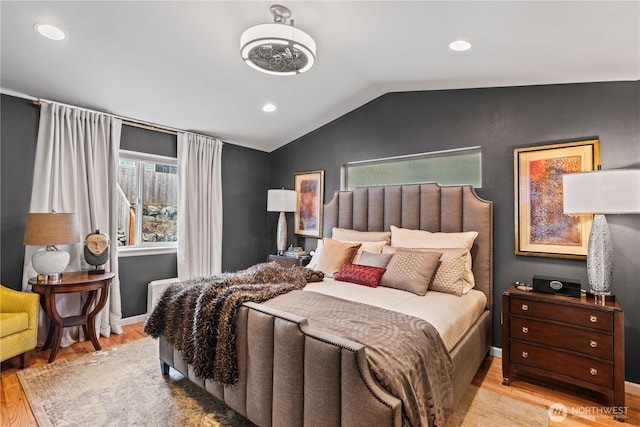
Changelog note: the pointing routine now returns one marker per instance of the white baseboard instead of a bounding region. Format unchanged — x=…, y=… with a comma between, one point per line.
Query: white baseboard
x=632, y=388
x=496, y=352
x=629, y=387
x=134, y=319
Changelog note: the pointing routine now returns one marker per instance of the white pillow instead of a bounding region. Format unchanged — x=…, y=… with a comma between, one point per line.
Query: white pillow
x=349, y=235
x=313, y=263
x=406, y=238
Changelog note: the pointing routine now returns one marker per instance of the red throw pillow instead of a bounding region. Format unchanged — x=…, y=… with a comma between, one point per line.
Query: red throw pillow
x=360, y=274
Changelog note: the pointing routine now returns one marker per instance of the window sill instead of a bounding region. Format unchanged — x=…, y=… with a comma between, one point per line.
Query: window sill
x=127, y=252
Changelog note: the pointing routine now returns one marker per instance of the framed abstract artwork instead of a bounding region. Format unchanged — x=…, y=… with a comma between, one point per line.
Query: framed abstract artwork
x=308, y=215
x=541, y=227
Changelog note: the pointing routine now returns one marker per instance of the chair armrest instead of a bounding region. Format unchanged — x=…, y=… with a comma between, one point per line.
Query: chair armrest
x=12, y=301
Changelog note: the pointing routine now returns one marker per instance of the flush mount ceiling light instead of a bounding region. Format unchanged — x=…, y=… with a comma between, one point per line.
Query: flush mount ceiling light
x=268, y=108
x=279, y=48
x=460, y=45
x=50, y=31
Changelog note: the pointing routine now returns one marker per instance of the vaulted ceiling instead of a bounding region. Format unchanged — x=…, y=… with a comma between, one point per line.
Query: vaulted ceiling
x=177, y=63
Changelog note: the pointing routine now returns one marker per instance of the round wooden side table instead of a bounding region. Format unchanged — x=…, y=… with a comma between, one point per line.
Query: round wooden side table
x=72, y=282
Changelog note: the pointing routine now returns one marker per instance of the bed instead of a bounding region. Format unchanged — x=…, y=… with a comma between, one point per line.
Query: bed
x=292, y=373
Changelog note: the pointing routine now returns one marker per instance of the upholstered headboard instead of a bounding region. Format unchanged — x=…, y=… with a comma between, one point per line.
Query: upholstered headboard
x=420, y=207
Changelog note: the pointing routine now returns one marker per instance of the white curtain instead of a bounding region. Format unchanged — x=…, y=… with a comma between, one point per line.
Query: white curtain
x=199, y=205
x=75, y=171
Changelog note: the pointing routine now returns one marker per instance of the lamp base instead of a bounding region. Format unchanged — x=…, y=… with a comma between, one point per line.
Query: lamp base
x=49, y=278
x=282, y=233
x=600, y=297
x=50, y=262
x=600, y=256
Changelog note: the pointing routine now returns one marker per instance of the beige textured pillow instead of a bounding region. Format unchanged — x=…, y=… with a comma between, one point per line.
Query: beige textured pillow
x=348, y=235
x=411, y=271
x=450, y=272
x=331, y=255
x=406, y=238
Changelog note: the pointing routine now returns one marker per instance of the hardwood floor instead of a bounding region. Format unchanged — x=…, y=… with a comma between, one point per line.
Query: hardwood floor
x=15, y=411
x=582, y=411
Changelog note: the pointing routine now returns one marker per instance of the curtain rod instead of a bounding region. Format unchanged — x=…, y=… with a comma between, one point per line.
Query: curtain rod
x=148, y=127
x=127, y=122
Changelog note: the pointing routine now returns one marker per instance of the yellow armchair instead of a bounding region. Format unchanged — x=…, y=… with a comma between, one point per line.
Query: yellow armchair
x=18, y=323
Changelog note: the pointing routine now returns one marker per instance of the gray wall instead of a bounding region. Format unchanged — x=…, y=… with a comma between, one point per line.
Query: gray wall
x=244, y=180
x=19, y=123
x=500, y=120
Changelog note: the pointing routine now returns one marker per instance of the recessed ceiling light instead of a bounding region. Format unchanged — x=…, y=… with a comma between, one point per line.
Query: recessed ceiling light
x=460, y=45
x=50, y=31
x=268, y=108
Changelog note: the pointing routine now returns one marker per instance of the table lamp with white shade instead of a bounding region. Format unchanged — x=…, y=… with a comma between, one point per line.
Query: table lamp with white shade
x=51, y=229
x=614, y=191
x=281, y=201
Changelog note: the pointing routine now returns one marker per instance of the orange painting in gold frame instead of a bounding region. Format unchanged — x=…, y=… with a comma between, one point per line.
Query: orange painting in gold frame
x=309, y=187
x=541, y=227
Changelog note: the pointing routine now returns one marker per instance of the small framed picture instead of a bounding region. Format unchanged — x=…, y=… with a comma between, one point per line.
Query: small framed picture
x=310, y=199
x=541, y=226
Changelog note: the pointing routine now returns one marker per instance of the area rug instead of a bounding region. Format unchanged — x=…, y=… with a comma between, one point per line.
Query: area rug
x=122, y=386
x=480, y=407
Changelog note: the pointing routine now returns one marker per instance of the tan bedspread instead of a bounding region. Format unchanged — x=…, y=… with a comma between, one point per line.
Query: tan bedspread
x=405, y=354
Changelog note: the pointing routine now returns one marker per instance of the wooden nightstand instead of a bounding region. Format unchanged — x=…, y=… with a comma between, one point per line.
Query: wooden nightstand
x=574, y=341
x=289, y=262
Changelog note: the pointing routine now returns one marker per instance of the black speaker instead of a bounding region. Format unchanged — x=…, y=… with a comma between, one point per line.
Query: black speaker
x=557, y=286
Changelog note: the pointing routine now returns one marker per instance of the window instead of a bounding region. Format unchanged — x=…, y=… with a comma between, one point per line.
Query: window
x=147, y=201
x=461, y=166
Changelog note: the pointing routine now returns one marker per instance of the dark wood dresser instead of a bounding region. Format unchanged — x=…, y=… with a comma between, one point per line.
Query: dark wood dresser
x=576, y=341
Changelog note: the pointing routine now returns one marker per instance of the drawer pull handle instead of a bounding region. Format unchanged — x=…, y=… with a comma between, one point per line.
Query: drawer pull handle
x=593, y=319
x=593, y=344
x=526, y=354
x=525, y=307
x=525, y=329
x=593, y=371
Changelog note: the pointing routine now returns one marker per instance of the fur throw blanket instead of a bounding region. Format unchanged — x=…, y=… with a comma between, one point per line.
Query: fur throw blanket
x=198, y=316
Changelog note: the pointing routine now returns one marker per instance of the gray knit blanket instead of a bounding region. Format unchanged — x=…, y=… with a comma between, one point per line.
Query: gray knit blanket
x=198, y=316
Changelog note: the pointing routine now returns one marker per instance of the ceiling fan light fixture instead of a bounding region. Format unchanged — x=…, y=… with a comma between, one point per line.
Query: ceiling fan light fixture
x=278, y=48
